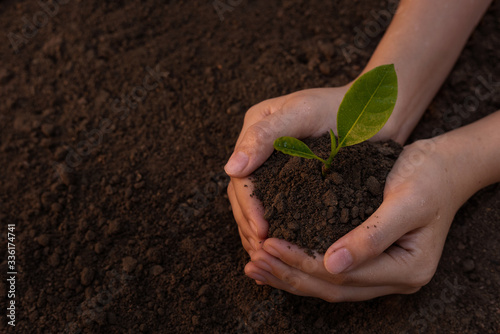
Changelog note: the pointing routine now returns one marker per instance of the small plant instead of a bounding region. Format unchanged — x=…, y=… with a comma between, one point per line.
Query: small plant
x=364, y=110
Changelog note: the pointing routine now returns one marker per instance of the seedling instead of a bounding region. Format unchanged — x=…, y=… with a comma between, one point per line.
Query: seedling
x=364, y=110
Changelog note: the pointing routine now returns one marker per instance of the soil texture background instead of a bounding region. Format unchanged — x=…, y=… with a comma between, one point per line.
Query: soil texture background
x=116, y=119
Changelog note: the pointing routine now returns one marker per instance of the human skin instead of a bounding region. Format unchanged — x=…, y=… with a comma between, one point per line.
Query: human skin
x=429, y=182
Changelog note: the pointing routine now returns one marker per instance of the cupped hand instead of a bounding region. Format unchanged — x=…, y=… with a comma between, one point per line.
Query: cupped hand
x=395, y=251
x=302, y=114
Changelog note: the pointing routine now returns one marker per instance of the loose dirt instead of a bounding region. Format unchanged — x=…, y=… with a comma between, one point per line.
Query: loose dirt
x=313, y=211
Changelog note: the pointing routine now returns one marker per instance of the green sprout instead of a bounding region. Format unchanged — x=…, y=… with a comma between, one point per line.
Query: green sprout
x=364, y=110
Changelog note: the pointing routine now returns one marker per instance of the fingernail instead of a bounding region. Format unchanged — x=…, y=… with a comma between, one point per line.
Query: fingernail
x=338, y=261
x=263, y=265
x=256, y=276
x=237, y=162
x=272, y=251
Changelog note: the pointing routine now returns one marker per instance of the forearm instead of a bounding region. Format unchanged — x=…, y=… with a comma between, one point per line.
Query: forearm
x=472, y=156
x=424, y=41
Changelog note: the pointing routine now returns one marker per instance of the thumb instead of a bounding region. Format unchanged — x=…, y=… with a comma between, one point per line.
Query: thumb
x=254, y=146
x=262, y=126
x=370, y=239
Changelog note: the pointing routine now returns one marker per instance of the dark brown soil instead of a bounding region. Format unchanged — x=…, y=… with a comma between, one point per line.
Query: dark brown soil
x=136, y=234
x=313, y=211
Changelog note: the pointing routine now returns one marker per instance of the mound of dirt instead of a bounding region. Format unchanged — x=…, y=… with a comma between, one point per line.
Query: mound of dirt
x=313, y=211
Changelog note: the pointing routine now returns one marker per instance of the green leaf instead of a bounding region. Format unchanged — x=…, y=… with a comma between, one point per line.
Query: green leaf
x=295, y=147
x=367, y=105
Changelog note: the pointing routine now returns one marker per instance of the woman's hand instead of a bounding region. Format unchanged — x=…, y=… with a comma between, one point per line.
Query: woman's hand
x=302, y=114
x=396, y=250
x=401, y=253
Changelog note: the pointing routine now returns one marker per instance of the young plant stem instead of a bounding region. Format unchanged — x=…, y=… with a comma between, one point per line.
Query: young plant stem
x=334, y=150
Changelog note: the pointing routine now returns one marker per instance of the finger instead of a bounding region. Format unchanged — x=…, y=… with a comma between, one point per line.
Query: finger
x=257, y=113
x=295, y=281
x=251, y=209
x=246, y=244
x=395, y=266
x=391, y=221
x=264, y=124
x=243, y=225
x=296, y=257
x=238, y=163
x=265, y=277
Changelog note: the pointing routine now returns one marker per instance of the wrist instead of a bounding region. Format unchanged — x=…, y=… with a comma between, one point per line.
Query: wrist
x=471, y=156
x=423, y=42
x=455, y=169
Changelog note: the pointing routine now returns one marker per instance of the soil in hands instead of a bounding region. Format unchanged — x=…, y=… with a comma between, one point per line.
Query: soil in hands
x=313, y=211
